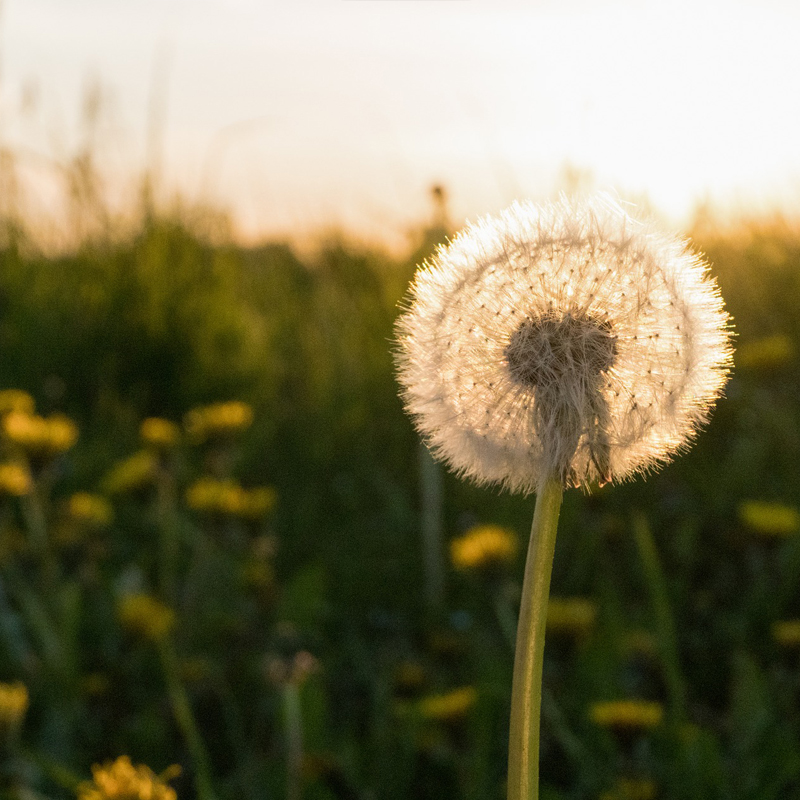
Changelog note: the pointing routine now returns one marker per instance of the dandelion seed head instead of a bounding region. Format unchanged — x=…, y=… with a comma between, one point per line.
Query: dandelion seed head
x=566, y=339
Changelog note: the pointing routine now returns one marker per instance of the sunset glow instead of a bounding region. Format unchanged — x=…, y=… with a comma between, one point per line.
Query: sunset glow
x=343, y=112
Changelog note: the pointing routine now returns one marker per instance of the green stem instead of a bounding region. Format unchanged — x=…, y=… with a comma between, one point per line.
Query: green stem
x=526, y=691
x=168, y=532
x=665, y=621
x=186, y=721
x=431, y=525
x=293, y=722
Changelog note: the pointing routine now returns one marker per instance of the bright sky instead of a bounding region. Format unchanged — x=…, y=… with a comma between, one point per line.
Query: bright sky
x=299, y=114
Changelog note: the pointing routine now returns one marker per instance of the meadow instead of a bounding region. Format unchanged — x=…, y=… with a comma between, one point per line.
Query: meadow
x=223, y=548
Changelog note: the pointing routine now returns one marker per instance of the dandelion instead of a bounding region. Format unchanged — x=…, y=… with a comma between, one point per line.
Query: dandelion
x=132, y=474
x=15, y=479
x=566, y=339
x=40, y=436
x=786, y=632
x=483, y=546
x=226, y=497
x=627, y=715
x=121, y=780
x=450, y=706
x=88, y=509
x=552, y=346
x=146, y=616
x=15, y=400
x=13, y=705
x=770, y=520
x=217, y=420
x=571, y=616
x=160, y=434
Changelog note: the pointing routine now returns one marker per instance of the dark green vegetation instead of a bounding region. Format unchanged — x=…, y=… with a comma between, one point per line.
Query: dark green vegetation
x=166, y=318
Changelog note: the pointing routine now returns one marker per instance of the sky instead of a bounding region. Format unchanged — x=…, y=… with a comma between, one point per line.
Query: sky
x=311, y=114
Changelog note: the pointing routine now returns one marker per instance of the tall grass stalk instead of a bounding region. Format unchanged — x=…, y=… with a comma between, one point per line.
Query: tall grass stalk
x=664, y=619
x=430, y=479
x=184, y=716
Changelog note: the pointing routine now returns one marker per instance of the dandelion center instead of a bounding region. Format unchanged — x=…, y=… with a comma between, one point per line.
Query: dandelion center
x=554, y=348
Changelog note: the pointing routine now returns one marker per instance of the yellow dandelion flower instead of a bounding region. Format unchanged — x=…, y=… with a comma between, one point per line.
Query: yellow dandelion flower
x=766, y=353
x=627, y=715
x=15, y=400
x=219, y=419
x=40, y=436
x=573, y=616
x=89, y=509
x=146, y=616
x=62, y=433
x=212, y=496
x=13, y=704
x=160, y=434
x=484, y=546
x=786, y=633
x=15, y=479
x=134, y=473
x=770, y=519
x=631, y=789
x=448, y=707
x=121, y=780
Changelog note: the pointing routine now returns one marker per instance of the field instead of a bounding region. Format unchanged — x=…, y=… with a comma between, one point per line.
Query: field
x=222, y=546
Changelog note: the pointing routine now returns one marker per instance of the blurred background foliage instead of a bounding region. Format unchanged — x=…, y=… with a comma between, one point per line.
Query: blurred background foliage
x=213, y=541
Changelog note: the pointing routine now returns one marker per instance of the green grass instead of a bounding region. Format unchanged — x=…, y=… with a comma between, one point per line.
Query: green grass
x=166, y=317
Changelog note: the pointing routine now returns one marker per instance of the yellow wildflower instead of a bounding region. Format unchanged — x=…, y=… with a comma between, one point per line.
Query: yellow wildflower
x=483, y=546
x=574, y=616
x=448, y=707
x=15, y=400
x=219, y=419
x=120, y=780
x=787, y=633
x=15, y=479
x=89, y=509
x=770, y=519
x=627, y=715
x=146, y=616
x=13, y=704
x=631, y=789
x=214, y=496
x=40, y=436
x=766, y=353
x=160, y=434
x=134, y=473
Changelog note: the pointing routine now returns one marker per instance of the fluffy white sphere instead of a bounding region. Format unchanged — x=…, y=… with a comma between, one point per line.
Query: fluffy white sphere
x=566, y=339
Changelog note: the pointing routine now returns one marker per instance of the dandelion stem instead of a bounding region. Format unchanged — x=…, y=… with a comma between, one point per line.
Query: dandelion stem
x=526, y=692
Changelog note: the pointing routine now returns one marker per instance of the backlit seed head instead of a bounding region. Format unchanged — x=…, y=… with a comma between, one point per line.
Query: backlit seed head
x=566, y=339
